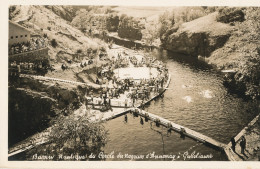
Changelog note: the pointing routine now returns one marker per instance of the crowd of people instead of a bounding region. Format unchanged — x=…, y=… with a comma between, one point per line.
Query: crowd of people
x=16, y=68
x=135, y=90
x=35, y=43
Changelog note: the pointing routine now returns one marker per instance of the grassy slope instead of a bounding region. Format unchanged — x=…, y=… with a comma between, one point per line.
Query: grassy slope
x=207, y=24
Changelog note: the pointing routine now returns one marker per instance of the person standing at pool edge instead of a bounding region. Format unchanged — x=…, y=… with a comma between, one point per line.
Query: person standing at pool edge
x=243, y=144
x=233, y=144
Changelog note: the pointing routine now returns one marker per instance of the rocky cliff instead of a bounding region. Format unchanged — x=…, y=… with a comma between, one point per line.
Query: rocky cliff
x=198, y=37
x=227, y=39
x=65, y=12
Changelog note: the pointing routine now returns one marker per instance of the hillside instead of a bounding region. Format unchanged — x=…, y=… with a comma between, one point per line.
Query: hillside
x=44, y=20
x=198, y=37
x=228, y=38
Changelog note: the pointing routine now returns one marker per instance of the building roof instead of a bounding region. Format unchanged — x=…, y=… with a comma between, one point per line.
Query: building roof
x=17, y=25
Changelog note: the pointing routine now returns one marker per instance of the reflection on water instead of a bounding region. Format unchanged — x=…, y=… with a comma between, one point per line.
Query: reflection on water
x=197, y=99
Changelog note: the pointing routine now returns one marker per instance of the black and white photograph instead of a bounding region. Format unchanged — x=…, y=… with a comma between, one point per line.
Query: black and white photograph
x=133, y=83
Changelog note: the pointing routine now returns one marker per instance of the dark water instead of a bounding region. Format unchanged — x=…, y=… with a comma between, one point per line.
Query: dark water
x=196, y=99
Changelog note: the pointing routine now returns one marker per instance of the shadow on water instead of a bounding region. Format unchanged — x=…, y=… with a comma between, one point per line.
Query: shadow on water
x=186, y=60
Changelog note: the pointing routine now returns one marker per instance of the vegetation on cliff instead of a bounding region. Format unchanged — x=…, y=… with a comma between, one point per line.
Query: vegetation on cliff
x=66, y=43
x=249, y=49
x=129, y=28
x=226, y=37
x=73, y=136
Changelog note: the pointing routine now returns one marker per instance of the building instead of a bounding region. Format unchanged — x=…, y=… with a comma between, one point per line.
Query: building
x=18, y=33
x=27, y=51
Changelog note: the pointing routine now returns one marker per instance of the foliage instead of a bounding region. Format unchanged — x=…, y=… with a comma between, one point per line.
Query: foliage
x=93, y=18
x=189, y=14
x=83, y=30
x=13, y=11
x=74, y=135
x=227, y=15
x=102, y=49
x=79, y=51
x=166, y=21
x=54, y=43
x=249, y=65
x=150, y=33
x=172, y=20
x=81, y=19
x=129, y=28
x=112, y=23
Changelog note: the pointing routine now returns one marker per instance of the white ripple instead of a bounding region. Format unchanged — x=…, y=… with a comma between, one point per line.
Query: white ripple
x=206, y=93
x=187, y=98
x=186, y=86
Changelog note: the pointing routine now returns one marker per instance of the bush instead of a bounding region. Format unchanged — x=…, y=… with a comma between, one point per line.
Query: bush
x=79, y=51
x=74, y=136
x=13, y=11
x=83, y=30
x=103, y=49
x=112, y=23
x=129, y=28
x=228, y=15
x=45, y=35
x=54, y=43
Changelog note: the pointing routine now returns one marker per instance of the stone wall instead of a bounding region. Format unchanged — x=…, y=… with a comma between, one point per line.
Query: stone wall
x=31, y=56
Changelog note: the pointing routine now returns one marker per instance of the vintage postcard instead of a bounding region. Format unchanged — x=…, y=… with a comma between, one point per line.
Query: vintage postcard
x=131, y=84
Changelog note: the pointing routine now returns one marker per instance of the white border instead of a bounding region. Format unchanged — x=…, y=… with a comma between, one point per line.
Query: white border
x=4, y=163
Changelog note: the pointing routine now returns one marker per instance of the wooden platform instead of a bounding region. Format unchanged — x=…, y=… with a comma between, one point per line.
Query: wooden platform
x=181, y=129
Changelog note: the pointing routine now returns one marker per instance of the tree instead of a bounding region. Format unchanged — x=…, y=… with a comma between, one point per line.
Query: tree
x=76, y=136
x=129, y=28
x=166, y=21
x=249, y=66
x=112, y=22
x=54, y=43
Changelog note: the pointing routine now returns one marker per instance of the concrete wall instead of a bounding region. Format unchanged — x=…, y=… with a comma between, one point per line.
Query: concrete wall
x=17, y=33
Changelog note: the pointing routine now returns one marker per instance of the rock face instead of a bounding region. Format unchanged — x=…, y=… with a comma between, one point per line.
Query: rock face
x=199, y=37
x=194, y=44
